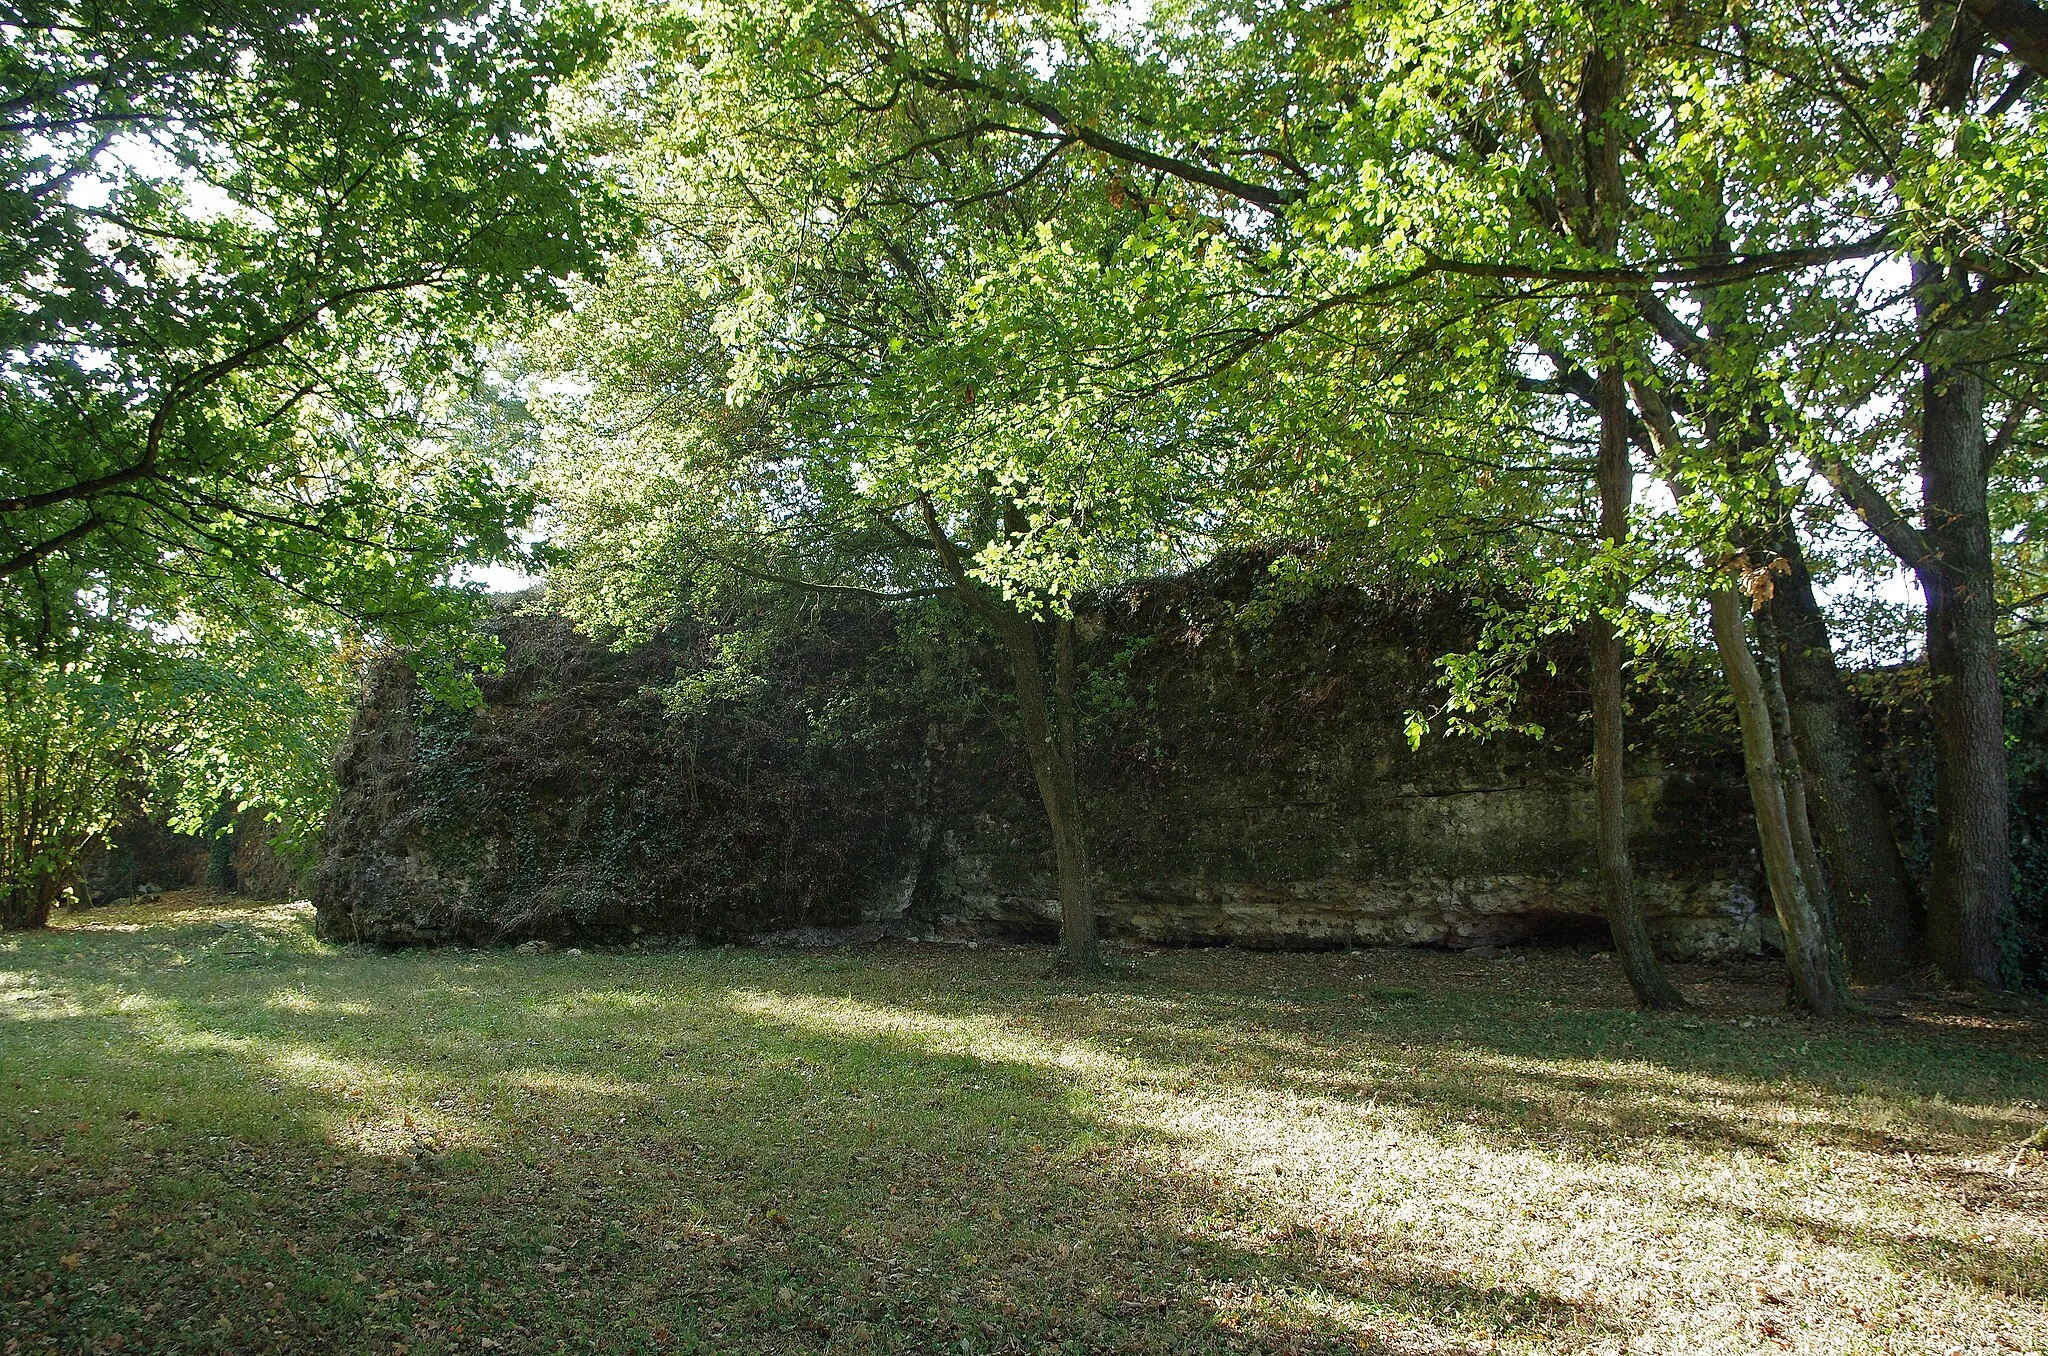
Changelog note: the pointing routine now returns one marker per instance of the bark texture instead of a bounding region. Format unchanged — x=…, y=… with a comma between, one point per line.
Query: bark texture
x=1817, y=982
x=1653, y=988
x=1972, y=884
x=1880, y=911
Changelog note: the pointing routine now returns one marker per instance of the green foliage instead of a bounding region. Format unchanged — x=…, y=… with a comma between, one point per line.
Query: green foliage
x=733, y=675
x=1109, y=295
x=828, y=329
x=199, y=725
x=71, y=742
x=252, y=255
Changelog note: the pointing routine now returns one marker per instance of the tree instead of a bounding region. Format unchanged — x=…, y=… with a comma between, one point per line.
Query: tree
x=245, y=247
x=991, y=298
x=1734, y=117
x=844, y=357
x=251, y=255
x=1959, y=286
x=223, y=717
x=68, y=744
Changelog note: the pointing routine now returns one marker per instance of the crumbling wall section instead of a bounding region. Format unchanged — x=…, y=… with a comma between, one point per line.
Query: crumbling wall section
x=1248, y=784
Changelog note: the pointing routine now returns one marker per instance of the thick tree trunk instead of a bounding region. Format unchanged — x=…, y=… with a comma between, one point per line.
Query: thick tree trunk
x=1653, y=988
x=1880, y=910
x=1052, y=763
x=1809, y=951
x=1972, y=884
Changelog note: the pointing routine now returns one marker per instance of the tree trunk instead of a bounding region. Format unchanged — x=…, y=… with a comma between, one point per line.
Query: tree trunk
x=1880, y=913
x=1798, y=813
x=1653, y=988
x=1052, y=763
x=1077, y=890
x=1809, y=954
x=1603, y=77
x=1052, y=754
x=27, y=906
x=1972, y=883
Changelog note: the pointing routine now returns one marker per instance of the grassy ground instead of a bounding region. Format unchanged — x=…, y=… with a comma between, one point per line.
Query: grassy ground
x=219, y=1135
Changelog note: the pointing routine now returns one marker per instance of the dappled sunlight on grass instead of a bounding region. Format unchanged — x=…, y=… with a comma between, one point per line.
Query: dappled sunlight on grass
x=180, y=908
x=984, y=1037
x=247, y=1141
x=300, y=1001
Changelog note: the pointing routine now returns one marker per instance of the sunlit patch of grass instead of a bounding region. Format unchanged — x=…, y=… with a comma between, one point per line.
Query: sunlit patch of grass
x=217, y=1134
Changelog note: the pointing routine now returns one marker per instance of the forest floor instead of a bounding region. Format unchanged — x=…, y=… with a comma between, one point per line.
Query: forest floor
x=217, y=1134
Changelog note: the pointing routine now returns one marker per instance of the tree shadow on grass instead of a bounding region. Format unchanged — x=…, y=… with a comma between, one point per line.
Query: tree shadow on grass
x=848, y=1152
x=357, y=1153
x=1516, y=1063
x=1916, y=1111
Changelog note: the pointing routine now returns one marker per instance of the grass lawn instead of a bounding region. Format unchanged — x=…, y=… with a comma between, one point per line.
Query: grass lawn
x=219, y=1135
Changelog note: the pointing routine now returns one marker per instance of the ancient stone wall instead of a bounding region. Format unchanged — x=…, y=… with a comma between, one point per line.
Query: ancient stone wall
x=572, y=805
x=1245, y=784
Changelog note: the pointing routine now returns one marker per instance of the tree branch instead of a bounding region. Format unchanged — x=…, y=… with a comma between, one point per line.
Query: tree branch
x=1263, y=196
x=956, y=569
x=1636, y=279
x=37, y=554
x=1878, y=512
x=184, y=389
x=2020, y=26
x=1688, y=342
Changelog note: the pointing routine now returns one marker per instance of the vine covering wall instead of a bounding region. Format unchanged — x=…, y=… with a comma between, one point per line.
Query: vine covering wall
x=851, y=768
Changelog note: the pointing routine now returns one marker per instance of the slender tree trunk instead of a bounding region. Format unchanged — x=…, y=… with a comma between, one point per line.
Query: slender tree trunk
x=1809, y=955
x=1077, y=889
x=1653, y=988
x=1051, y=751
x=25, y=893
x=1798, y=813
x=1603, y=78
x=1880, y=910
x=1052, y=763
x=1972, y=885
